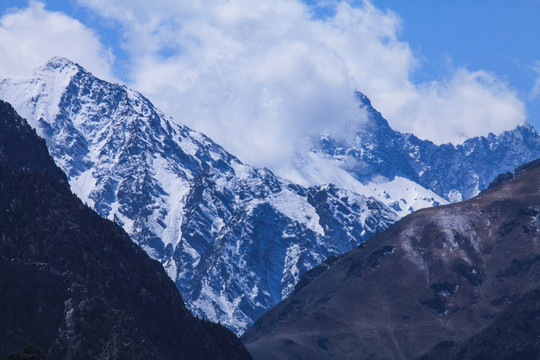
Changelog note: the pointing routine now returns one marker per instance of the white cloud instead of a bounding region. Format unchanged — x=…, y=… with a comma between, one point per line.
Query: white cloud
x=32, y=35
x=257, y=75
x=535, y=92
x=466, y=105
x=252, y=75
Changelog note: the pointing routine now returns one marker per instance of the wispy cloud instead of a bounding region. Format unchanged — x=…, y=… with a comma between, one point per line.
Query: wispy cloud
x=465, y=105
x=32, y=35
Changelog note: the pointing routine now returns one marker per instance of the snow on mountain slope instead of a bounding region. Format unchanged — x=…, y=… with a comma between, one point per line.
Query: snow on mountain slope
x=234, y=238
x=390, y=165
x=402, y=195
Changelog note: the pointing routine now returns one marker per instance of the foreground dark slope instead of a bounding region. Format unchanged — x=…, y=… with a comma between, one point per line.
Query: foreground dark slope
x=73, y=284
x=440, y=274
x=513, y=335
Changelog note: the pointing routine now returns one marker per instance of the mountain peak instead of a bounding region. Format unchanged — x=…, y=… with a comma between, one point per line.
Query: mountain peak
x=184, y=199
x=59, y=62
x=363, y=98
x=59, y=68
x=526, y=127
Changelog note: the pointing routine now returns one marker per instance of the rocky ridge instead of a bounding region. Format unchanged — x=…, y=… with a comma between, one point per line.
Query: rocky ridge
x=378, y=156
x=234, y=238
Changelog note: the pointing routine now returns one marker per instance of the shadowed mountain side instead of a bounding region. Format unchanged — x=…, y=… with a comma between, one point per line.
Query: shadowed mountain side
x=440, y=274
x=21, y=148
x=73, y=284
x=513, y=335
x=29, y=353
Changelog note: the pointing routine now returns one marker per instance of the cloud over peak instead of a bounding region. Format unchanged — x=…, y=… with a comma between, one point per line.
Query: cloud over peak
x=32, y=35
x=258, y=76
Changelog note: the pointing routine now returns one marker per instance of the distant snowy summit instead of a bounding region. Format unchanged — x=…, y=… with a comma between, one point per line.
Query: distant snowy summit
x=407, y=173
x=234, y=238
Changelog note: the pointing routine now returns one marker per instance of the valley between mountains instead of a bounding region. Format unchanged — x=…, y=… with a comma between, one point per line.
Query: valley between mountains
x=438, y=276
x=287, y=255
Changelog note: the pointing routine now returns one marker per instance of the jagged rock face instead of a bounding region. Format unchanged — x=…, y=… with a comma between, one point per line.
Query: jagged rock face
x=454, y=172
x=436, y=275
x=73, y=285
x=234, y=238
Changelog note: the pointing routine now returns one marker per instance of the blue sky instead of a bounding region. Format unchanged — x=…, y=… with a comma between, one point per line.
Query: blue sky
x=256, y=76
x=496, y=35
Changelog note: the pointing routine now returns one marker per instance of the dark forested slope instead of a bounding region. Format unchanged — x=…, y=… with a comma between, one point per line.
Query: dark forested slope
x=73, y=284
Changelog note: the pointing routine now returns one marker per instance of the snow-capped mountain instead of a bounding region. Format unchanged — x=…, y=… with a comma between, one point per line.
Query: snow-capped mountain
x=401, y=194
x=379, y=160
x=234, y=238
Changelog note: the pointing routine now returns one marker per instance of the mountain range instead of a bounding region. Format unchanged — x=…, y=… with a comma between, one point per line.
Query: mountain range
x=73, y=285
x=433, y=279
x=234, y=238
x=378, y=156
